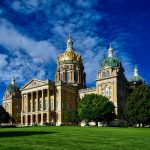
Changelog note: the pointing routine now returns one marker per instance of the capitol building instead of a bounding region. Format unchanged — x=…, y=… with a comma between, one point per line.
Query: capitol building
x=46, y=102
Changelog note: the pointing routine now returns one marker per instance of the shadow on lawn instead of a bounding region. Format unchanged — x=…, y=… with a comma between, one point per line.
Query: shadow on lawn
x=22, y=133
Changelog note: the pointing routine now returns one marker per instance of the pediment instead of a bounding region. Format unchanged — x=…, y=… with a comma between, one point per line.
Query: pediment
x=33, y=83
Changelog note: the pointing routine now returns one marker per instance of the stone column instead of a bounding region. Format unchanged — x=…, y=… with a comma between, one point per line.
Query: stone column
x=37, y=118
x=21, y=119
x=31, y=101
x=42, y=118
x=42, y=99
x=27, y=106
x=37, y=102
x=42, y=106
x=22, y=109
x=48, y=104
x=26, y=120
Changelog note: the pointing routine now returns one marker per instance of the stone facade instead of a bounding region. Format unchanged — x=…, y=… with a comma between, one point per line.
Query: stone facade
x=12, y=102
x=45, y=101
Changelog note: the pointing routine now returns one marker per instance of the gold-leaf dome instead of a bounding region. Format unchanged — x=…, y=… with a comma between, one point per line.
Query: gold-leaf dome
x=69, y=54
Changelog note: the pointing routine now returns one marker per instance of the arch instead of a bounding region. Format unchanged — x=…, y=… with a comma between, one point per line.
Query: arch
x=44, y=117
x=24, y=119
x=34, y=118
x=39, y=119
x=28, y=119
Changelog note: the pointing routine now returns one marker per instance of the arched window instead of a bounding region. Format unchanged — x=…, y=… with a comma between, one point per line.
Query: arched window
x=107, y=74
x=106, y=91
x=104, y=74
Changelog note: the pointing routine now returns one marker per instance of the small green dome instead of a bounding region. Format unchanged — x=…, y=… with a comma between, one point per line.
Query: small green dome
x=12, y=88
x=111, y=62
x=137, y=80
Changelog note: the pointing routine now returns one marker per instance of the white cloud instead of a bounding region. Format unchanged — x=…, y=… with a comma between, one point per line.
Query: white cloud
x=15, y=41
x=79, y=19
x=25, y=54
x=3, y=61
x=27, y=6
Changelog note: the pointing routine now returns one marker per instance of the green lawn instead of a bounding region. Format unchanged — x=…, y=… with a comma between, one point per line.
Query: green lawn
x=74, y=138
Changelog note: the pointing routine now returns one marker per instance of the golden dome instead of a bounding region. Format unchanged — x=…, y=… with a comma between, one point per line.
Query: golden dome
x=69, y=54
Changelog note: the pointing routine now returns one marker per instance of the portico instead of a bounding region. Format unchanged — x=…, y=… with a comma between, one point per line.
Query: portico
x=38, y=102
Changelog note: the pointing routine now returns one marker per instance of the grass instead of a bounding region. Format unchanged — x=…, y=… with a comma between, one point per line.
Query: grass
x=74, y=138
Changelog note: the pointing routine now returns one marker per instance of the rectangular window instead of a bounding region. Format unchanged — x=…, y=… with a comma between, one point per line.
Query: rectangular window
x=51, y=105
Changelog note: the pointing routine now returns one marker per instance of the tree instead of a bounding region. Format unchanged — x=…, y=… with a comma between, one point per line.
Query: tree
x=4, y=116
x=93, y=107
x=137, y=108
x=72, y=116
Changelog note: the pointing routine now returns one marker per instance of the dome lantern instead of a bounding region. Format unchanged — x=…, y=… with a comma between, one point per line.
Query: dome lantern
x=136, y=79
x=69, y=43
x=13, y=81
x=69, y=55
x=110, y=51
x=135, y=71
x=111, y=61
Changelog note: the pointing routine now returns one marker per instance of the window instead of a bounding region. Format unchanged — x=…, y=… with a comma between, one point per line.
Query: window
x=34, y=105
x=107, y=91
x=104, y=74
x=75, y=76
x=51, y=105
x=68, y=76
x=40, y=105
x=45, y=104
x=107, y=74
x=29, y=108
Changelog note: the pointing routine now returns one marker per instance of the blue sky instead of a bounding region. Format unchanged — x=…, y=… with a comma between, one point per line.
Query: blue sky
x=34, y=32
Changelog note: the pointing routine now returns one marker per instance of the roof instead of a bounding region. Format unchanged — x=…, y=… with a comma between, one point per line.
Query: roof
x=137, y=80
x=13, y=88
x=111, y=62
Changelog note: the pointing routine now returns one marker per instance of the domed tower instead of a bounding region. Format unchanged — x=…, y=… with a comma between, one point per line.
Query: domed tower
x=136, y=79
x=70, y=67
x=111, y=82
x=12, y=101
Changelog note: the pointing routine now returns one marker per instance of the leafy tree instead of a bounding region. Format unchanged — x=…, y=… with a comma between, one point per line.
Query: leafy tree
x=4, y=116
x=72, y=116
x=93, y=107
x=137, y=108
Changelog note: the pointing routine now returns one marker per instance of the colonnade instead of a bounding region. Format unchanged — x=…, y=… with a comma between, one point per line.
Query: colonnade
x=37, y=107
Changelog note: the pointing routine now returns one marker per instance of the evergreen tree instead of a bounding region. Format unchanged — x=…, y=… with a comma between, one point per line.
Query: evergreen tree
x=137, y=108
x=4, y=116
